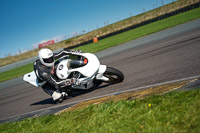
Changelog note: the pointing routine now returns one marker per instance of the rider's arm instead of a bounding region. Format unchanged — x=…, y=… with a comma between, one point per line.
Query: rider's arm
x=58, y=84
x=46, y=76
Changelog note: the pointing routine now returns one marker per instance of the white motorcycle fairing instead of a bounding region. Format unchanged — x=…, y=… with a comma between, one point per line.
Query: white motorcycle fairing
x=91, y=70
x=31, y=78
x=88, y=70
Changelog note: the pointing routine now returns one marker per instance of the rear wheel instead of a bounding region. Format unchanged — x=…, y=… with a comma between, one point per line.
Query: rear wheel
x=114, y=75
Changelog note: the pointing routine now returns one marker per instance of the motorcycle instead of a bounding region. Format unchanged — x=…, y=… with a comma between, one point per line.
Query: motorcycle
x=86, y=68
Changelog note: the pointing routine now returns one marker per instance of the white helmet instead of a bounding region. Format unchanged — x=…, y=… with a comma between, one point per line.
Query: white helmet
x=46, y=57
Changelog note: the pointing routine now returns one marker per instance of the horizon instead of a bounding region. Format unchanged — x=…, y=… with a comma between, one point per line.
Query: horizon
x=30, y=22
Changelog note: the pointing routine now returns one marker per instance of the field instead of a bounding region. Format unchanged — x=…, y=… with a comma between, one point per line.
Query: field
x=16, y=72
x=104, y=30
x=117, y=39
x=176, y=111
x=142, y=31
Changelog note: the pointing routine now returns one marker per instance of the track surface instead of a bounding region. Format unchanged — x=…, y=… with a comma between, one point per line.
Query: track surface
x=166, y=58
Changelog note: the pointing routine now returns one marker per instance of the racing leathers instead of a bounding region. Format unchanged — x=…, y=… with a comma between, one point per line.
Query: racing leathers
x=47, y=74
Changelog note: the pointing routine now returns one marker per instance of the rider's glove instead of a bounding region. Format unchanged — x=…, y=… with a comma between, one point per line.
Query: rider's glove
x=75, y=81
x=76, y=51
x=65, y=83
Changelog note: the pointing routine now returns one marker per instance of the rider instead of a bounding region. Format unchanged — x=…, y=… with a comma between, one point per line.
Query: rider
x=44, y=68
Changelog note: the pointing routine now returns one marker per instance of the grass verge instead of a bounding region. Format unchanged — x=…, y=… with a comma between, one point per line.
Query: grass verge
x=177, y=111
x=17, y=72
x=142, y=31
x=118, y=39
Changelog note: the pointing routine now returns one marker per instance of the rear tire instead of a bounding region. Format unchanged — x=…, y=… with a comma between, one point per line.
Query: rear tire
x=114, y=75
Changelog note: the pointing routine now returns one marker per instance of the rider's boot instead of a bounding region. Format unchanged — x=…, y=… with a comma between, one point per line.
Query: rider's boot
x=58, y=97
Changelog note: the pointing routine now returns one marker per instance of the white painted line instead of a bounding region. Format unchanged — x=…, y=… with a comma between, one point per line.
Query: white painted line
x=168, y=82
x=119, y=92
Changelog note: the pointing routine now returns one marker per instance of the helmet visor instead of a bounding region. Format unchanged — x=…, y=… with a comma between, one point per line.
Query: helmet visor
x=49, y=60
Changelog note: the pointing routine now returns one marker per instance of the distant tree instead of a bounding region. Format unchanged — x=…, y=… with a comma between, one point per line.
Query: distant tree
x=8, y=55
x=83, y=31
x=144, y=10
x=162, y=3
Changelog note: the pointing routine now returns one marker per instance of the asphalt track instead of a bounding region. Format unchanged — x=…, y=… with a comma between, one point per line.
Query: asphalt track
x=164, y=56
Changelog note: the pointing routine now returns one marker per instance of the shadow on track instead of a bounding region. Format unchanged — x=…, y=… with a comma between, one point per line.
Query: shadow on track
x=74, y=94
x=43, y=102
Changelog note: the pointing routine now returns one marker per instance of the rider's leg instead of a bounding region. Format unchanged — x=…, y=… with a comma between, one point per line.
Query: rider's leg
x=55, y=94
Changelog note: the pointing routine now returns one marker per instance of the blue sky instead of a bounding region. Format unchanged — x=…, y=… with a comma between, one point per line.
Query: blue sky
x=26, y=23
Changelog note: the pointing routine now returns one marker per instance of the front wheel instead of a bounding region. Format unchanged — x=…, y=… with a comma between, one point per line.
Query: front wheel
x=114, y=75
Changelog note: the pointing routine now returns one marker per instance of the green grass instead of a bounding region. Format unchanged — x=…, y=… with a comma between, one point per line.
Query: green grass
x=173, y=112
x=118, y=39
x=16, y=72
x=142, y=31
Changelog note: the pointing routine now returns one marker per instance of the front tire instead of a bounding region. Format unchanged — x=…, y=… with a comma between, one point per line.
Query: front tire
x=114, y=75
